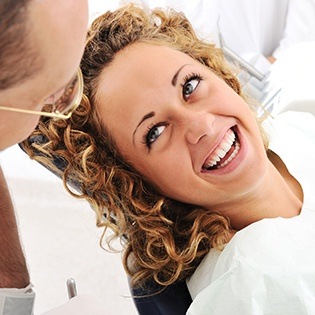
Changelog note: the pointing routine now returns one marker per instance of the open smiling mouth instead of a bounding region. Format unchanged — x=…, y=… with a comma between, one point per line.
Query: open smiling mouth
x=224, y=153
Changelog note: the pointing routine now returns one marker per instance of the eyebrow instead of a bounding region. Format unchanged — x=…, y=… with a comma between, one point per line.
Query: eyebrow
x=144, y=118
x=175, y=77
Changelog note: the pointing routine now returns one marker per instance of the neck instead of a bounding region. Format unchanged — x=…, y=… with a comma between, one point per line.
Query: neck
x=278, y=195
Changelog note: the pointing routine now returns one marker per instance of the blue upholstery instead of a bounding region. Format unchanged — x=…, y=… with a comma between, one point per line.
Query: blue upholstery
x=174, y=300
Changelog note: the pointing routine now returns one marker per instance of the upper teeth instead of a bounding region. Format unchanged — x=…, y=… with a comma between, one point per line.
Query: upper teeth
x=220, y=152
x=231, y=157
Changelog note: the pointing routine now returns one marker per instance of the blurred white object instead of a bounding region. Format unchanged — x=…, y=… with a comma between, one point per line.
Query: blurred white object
x=293, y=72
x=253, y=29
x=17, y=301
x=80, y=305
x=257, y=29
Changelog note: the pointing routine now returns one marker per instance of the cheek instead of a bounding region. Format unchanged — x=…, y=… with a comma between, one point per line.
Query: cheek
x=29, y=123
x=171, y=174
x=26, y=123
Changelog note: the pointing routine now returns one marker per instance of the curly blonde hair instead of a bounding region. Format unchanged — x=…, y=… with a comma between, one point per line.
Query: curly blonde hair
x=165, y=240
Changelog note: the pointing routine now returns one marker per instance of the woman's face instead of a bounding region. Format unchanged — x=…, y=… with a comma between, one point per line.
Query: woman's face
x=181, y=127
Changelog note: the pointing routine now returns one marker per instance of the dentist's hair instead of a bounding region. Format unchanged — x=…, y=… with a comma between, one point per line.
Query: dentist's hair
x=19, y=58
x=164, y=239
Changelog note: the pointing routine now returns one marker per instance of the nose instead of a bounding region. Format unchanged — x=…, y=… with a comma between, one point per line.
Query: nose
x=197, y=125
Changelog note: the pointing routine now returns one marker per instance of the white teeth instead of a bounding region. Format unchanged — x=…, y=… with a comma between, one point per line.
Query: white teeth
x=231, y=136
x=222, y=149
x=230, y=141
x=221, y=153
x=232, y=156
x=226, y=146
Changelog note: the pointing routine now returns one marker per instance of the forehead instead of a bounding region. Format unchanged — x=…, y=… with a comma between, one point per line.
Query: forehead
x=60, y=45
x=137, y=75
x=146, y=62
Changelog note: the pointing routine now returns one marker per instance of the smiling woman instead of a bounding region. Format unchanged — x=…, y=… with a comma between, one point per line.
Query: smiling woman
x=165, y=146
x=123, y=87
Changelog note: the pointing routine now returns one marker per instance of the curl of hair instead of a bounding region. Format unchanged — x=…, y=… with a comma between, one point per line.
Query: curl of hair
x=165, y=239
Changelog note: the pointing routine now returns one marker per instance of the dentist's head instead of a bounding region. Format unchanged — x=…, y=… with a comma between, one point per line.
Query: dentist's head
x=41, y=44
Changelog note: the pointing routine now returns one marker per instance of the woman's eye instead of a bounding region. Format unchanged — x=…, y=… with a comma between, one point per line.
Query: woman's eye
x=153, y=134
x=190, y=86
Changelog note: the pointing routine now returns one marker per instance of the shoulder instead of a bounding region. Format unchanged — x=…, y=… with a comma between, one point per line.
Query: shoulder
x=269, y=264
x=266, y=246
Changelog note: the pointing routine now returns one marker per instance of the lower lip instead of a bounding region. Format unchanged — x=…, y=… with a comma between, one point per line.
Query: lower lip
x=235, y=163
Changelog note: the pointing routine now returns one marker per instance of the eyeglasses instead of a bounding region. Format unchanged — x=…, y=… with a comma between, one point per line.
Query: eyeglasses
x=64, y=106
